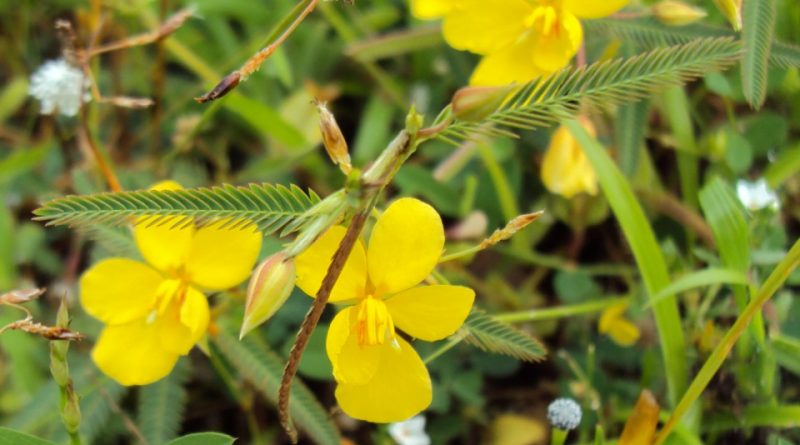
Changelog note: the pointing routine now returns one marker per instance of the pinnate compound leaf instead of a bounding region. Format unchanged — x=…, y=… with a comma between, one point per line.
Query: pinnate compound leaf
x=262, y=367
x=269, y=207
x=493, y=335
x=549, y=100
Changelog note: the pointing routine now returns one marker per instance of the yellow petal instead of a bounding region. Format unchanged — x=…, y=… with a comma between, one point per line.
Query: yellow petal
x=432, y=9
x=565, y=168
x=555, y=49
x=485, y=27
x=623, y=332
x=164, y=248
x=183, y=324
x=119, y=290
x=399, y=389
x=431, y=313
x=221, y=257
x=352, y=363
x=313, y=263
x=513, y=64
x=132, y=354
x=405, y=246
x=593, y=9
x=613, y=323
x=641, y=425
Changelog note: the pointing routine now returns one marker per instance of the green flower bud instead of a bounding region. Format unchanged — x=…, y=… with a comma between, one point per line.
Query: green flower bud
x=71, y=410
x=477, y=103
x=675, y=13
x=269, y=287
x=58, y=365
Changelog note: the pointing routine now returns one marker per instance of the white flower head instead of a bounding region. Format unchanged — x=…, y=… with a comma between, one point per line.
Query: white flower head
x=60, y=87
x=564, y=414
x=410, y=432
x=757, y=195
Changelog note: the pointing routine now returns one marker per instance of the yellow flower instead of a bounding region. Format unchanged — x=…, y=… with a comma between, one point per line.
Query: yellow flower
x=615, y=325
x=565, y=168
x=519, y=39
x=380, y=377
x=155, y=312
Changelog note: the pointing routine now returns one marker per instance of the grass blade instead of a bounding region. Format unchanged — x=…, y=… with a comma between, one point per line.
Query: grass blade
x=648, y=256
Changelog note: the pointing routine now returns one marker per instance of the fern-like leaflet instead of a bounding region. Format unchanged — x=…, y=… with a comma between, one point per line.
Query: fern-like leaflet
x=490, y=334
x=546, y=101
x=269, y=207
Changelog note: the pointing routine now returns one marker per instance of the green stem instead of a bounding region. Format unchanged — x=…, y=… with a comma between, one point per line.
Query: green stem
x=647, y=252
x=560, y=312
x=720, y=353
x=451, y=343
x=558, y=436
x=460, y=254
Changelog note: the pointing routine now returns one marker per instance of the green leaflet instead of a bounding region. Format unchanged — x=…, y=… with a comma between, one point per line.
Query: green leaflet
x=649, y=32
x=203, y=439
x=161, y=405
x=490, y=334
x=257, y=363
x=546, y=101
x=270, y=207
x=11, y=437
x=758, y=31
x=700, y=278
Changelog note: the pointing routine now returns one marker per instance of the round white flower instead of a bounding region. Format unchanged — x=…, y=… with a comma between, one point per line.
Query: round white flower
x=564, y=414
x=410, y=432
x=60, y=87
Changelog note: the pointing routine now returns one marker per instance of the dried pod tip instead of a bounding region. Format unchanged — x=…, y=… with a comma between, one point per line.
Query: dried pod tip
x=333, y=139
x=225, y=86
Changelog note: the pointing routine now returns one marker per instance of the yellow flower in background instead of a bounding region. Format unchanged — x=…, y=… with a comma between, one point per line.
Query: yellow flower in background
x=154, y=312
x=519, y=39
x=566, y=170
x=614, y=324
x=380, y=377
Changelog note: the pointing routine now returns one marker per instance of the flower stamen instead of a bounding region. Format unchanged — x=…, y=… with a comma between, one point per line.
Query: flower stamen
x=374, y=324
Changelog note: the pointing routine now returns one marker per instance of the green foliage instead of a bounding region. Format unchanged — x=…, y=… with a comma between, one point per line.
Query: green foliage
x=256, y=362
x=700, y=278
x=647, y=252
x=490, y=334
x=543, y=102
x=203, y=439
x=161, y=406
x=648, y=33
x=267, y=206
x=11, y=437
x=758, y=32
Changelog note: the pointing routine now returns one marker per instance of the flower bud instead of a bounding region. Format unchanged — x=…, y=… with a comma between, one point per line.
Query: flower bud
x=476, y=103
x=71, y=410
x=732, y=10
x=333, y=139
x=566, y=170
x=676, y=13
x=269, y=287
x=58, y=365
